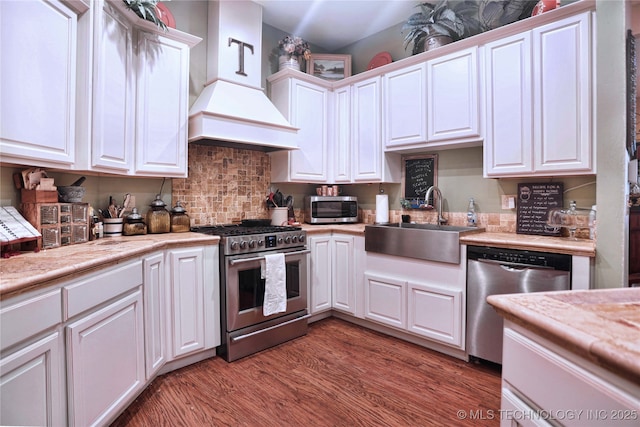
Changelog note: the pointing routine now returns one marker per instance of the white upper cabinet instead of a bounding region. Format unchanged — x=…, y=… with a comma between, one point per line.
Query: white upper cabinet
x=38, y=57
x=562, y=58
x=508, y=145
x=340, y=142
x=306, y=106
x=366, y=128
x=162, y=107
x=369, y=162
x=101, y=89
x=113, y=115
x=539, y=107
x=405, y=106
x=452, y=97
x=134, y=95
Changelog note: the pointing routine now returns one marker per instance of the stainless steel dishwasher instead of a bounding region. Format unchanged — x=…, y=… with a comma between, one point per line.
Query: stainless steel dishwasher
x=492, y=271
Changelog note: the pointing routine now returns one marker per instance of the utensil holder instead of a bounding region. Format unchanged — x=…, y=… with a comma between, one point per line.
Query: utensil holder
x=279, y=216
x=113, y=227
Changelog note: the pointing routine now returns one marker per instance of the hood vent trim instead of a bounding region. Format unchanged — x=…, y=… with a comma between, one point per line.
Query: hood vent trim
x=233, y=110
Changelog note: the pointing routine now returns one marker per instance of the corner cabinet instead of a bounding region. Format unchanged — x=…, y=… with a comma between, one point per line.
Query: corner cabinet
x=336, y=271
x=539, y=103
x=306, y=106
x=133, y=94
x=38, y=53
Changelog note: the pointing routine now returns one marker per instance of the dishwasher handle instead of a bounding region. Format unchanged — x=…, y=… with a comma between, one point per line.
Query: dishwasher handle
x=514, y=265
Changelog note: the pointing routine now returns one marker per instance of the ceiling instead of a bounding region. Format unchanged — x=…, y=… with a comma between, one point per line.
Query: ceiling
x=333, y=24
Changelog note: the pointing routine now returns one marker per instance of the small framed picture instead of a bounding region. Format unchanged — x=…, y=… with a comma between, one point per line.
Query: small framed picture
x=329, y=66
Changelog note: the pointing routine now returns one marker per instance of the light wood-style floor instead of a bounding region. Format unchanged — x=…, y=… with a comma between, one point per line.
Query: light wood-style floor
x=339, y=374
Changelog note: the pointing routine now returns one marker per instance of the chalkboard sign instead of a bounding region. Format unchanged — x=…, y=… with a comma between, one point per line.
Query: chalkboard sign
x=534, y=203
x=418, y=174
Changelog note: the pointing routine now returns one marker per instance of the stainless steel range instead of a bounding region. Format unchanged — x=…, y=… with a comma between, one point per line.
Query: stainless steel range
x=245, y=329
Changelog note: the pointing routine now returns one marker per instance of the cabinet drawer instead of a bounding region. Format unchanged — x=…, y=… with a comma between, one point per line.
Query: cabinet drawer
x=96, y=289
x=574, y=387
x=25, y=319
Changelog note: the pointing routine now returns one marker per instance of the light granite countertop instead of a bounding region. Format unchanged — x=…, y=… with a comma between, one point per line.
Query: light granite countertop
x=561, y=245
x=30, y=270
x=600, y=325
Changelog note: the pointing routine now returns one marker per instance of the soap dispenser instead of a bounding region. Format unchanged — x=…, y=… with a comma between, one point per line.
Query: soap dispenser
x=158, y=218
x=472, y=218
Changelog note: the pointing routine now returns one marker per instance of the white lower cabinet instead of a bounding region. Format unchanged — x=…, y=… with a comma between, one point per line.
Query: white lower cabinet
x=32, y=386
x=344, y=272
x=155, y=329
x=335, y=264
x=423, y=298
x=32, y=381
x=582, y=392
x=192, y=300
x=320, y=283
x=105, y=361
x=435, y=313
x=385, y=300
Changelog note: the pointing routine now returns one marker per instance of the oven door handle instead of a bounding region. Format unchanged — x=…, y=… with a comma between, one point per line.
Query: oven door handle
x=250, y=334
x=260, y=258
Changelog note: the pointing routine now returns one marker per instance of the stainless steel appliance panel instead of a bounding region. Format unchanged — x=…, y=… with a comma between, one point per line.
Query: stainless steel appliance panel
x=330, y=209
x=245, y=288
x=492, y=271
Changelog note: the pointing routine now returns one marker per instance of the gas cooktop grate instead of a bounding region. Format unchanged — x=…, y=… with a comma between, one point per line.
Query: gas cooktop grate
x=240, y=230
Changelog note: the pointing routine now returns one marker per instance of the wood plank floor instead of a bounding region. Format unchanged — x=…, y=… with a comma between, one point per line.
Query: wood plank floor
x=339, y=374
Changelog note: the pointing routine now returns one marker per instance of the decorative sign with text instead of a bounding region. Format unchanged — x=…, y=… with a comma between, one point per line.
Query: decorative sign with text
x=534, y=203
x=418, y=174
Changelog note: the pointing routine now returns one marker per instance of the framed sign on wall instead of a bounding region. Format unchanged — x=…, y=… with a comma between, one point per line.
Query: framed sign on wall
x=418, y=174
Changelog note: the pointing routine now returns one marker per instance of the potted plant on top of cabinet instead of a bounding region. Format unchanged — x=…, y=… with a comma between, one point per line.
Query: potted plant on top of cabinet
x=445, y=21
x=435, y=25
x=147, y=9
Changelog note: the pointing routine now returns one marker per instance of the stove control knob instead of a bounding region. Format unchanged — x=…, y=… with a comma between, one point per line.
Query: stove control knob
x=301, y=238
x=260, y=242
x=287, y=239
x=252, y=243
x=294, y=239
x=279, y=240
x=243, y=245
x=234, y=245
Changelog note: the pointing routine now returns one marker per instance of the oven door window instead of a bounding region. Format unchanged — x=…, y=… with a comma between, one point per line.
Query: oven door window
x=251, y=286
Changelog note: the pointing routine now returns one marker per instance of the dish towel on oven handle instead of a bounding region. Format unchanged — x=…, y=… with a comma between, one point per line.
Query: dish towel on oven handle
x=274, y=271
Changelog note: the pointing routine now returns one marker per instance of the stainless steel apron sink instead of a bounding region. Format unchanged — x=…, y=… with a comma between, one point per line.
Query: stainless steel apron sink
x=429, y=242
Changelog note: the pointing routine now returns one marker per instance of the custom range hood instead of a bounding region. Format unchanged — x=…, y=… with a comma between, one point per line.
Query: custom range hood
x=233, y=109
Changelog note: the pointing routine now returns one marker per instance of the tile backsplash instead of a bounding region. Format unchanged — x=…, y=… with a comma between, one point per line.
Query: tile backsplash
x=225, y=185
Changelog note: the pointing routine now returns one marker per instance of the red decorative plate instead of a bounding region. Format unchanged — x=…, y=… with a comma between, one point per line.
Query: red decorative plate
x=383, y=58
x=165, y=15
x=544, y=6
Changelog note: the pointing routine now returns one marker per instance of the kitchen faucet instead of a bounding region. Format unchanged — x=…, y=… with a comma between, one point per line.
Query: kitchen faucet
x=440, y=219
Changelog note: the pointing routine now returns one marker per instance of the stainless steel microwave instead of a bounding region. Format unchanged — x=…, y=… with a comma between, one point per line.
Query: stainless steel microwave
x=330, y=209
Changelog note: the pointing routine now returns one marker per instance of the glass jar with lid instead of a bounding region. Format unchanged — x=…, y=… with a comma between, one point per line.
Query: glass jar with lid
x=134, y=224
x=158, y=218
x=179, y=219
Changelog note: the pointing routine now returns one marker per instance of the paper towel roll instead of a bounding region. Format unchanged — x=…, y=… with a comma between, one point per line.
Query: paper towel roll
x=382, y=208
